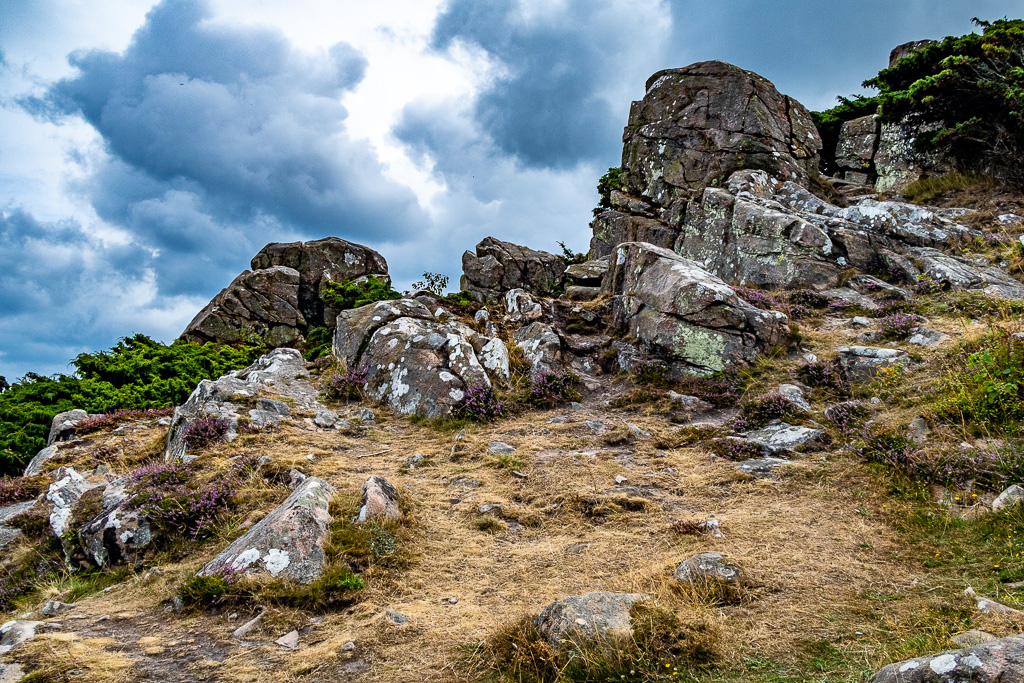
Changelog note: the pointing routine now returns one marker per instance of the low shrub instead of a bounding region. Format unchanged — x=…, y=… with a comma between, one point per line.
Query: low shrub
x=549, y=388
x=735, y=449
x=345, y=294
x=480, y=404
x=113, y=419
x=758, y=412
x=899, y=325
x=984, y=385
x=650, y=373
x=318, y=344
x=719, y=390
x=19, y=489
x=203, y=432
x=827, y=375
x=349, y=385
x=848, y=417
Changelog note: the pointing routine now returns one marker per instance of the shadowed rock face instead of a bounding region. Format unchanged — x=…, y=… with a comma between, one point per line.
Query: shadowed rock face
x=698, y=124
x=598, y=619
x=500, y=266
x=289, y=542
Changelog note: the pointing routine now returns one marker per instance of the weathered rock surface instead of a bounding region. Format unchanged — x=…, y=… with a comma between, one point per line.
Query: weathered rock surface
x=14, y=633
x=318, y=262
x=706, y=567
x=415, y=363
x=9, y=534
x=260, y=304
x=541, y=345
x=288, y=542
x=498, y=266
x=781, y=439
x=116, y=536
x=996, y=661
x=858, y=140
x=684, y=317
x=62, y=427
x=62, y=495
x=593, y=618
x=282, y=372
x=1011, y=495
x=380, y=501
x=35, y=465
x=861, y=363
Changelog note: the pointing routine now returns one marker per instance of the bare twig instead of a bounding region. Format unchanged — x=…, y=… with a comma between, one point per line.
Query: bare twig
x=367, y=455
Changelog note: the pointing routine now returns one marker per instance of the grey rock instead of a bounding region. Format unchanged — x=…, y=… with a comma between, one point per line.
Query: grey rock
x=15, y=633
x=595, y=426
x=521, y=307
x=498, y=266
x=1010, y=496
x=861, y=363
x=325, y=419
x=288, y=542
x=540, y=343
x=289, y=641
x=35, y=466
x=54, y=607
x=679, y=314
x=706, y=567
x=348, y=647
x=597, y=618
x=499, y=448
x=588, y=273
x=247, y=628
x=364, y=415
x=116, y=536
x=62, y=426
x=972, y=638
x=761, y=467
x=396, y=617
x=782, y=438
x=919, y=428
x=926, y=337
x=861, y=321
x=580, y=293
x=11, y=673
x=639, y=433
x=9, y=513
x=690, y=402
x=63, y=494
x=995, y=661
x=380, y=501
x=795, y=395
x=857, y=141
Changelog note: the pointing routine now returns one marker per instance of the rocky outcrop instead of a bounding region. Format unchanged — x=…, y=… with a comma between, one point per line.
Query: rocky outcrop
x=679, y=315
x=855, y=152
x=862, y=363
x=417, y=362
x=63, y=495
x=261, y=304
x=706, y=567
x=287, y=543
x=116, y=536
x=696, y=125
x=995, y=661
x=281, y=372
x=62, y=427
x=318, y=262
x=498, y=266
x=596, y=619
x=280, y=298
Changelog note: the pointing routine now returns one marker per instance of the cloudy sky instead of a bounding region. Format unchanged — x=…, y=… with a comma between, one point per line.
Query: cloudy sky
x=149, y=149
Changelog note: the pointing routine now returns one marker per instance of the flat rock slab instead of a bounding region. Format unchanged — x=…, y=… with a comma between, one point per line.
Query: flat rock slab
x=593, y=617
x=761, y=467
x=14, y=633
x=706, y=567
x=784, y=438
x=863, y=362
x=289, y=542
x=997, y=661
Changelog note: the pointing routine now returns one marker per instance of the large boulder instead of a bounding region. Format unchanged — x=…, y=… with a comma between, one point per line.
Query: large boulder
x=62, y=496
x=62, y=427
x=318, y=262
x=498, y=266
x=995, y=661
x=417, y=362
x=598, y=619
x=257, y=305
x=288, y=542
x=855, y=153
x=281, y=372
x=116, y=536
x=679, y=314
x=698, y=124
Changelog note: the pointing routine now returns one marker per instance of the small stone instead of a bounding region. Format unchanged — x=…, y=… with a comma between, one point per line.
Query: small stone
x=706, y=566
x=246, y=628
x=348, y=647
x=639, y=433
x=861, y=321
x=289, y=641
x=295, y=478
x=264, y=460
x=972, y=638
x=556, y=420
x=499, y=448
x=919, y=429
x=619, y=479
x=55, y=607
x=415, y=460
x=101, y=470
x=490, y=507
x=451, y=601
x=875, y=400
x=365, y=415
x=795, y=395
x=711, y=527
x=519, y=475
x=1012, y=495
x=233, y=616
x=396, y=617
x=325, y=419
x=177, y=604
x=575, y=405
x=595, y=426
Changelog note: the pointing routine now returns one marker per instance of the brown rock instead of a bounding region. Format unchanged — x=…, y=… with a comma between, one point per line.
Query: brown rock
x=500, y=266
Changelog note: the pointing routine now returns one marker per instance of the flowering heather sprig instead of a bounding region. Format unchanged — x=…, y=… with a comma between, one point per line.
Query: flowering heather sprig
x=825, y=374
x=552, y=387
x=349, y=385
x=204, y=432
x=847, y=416
x=899, y=325
x=758, y=412
x=111, y=420
x=720, y=390
x=735, y=449
x=18, y=489
x=481, y=404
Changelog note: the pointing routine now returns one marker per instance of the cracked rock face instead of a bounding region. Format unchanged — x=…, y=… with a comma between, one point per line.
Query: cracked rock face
x=498, y=266
x=417, y=364
x=676, y=312
x=995, y=661
x=287, y=543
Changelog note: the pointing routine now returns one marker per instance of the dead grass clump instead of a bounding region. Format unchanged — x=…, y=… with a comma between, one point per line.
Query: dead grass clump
x=712, y=592
x=603, y=505
x=685, y=436
x=56, y=657
x=661, y=648
x=967, y=188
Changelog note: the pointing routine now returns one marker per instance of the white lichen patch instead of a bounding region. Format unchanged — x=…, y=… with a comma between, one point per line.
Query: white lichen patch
x=276, y=561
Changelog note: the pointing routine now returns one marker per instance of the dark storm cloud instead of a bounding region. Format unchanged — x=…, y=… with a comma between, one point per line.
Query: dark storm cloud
x=548, y=107
x=222, y=138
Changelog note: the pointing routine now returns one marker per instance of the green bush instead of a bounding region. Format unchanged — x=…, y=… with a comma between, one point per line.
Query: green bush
x=346, y=294
x=137, y=373
x=985, y=385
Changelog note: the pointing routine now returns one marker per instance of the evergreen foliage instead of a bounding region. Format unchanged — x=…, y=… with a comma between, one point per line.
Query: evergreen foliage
x=346, y=294
x=135, y=374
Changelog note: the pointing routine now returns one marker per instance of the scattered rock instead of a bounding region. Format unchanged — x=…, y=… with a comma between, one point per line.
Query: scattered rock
x=35, y=465
x=995, y=661
x=498, y=266
x=54, y=607
x=704, y=567
x=540, y=343
x=1011, y=495
x=325, y=419
x=919, y=429
x=499, y=448
x=596, y=618
x=595, y=426
x=289, y=641
x=639, y=433
x=972, y=638
x=862, y=363
x=247, y=628
x=380, y=501
x=796, y=396
x=348, y=647
x=14, y=633
x=288, y=542
x=364, y=415
x=783, y=438
x=690, y=402
x=925, y=337
x=396, y=617
x=619, y=479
